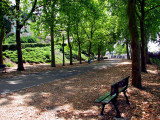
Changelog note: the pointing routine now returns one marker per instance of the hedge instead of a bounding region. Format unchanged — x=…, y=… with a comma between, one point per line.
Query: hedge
x=24, y=45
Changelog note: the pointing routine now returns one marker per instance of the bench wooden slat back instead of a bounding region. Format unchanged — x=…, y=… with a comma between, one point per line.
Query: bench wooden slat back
x=114, y=89
x=123, y=84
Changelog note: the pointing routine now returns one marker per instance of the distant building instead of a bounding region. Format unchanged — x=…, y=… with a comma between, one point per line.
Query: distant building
x=25, y=31
x=113, y=55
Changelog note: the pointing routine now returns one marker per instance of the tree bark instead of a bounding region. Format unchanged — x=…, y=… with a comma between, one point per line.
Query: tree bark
x=70, y=46
x=19, y=49
x=79, y=52
x=136, y=70
x=18, y=30
x=89, y=53
x=1, y=34
x=127, y=49
x=99, y=53
x=90, y=44
x=52, y=48
x=1, y=49
x=143, y=40
x=79, y=46
x=63, y=52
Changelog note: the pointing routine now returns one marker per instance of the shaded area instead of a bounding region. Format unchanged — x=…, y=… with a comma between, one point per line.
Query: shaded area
x=24, y=81
x=73, y=97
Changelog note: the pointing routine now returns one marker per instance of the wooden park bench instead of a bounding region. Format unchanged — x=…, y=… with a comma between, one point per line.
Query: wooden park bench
x=112, y=95
x=3, y=68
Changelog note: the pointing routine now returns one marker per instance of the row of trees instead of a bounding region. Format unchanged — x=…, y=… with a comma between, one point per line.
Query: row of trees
x=81, y=22
x=87, y=23
x=143, y=27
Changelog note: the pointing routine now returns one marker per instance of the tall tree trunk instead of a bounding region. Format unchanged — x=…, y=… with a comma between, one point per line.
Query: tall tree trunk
x=1, y=47
x=70, y=46
x=99, y=53
x=79, y=46
x=143, y=40
x=136, y=69
x=79, y=52
x=19, y=49
x=89, y=53
x=19, y=26
x=52, y=48
x=1, y=33
x=90, y=44
x=127, y=49
x=63, y=52
x=18, y=29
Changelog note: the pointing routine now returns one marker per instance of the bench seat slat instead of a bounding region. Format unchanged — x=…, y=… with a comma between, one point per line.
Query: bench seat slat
x=103, y=97
x=108, y=99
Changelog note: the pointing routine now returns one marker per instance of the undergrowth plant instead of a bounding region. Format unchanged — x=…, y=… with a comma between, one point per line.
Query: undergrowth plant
x=40, y=55
x=156, y=62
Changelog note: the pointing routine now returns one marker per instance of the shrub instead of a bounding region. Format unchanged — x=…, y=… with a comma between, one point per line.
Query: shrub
x=47, y=54
x=8, y=64
x=155, y=61
x=39, y=55
x=11, y=39
x=29, y=39
x=24, y=45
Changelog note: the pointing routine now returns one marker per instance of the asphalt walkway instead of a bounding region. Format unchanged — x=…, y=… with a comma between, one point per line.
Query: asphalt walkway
x=24, y=81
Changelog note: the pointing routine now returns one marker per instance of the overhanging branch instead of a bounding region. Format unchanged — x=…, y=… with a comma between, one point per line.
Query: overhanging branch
x=30, y=14
x=152, y=8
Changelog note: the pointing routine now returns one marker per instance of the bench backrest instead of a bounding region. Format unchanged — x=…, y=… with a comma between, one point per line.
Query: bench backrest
x=123, y=84
x=114, y=89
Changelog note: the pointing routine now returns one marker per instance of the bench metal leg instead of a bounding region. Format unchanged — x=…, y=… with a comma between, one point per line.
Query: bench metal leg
x=127, y=101
x=117, y=110
x=103, y=105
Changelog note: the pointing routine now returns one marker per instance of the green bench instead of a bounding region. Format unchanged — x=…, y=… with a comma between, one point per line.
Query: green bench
x=112, y=95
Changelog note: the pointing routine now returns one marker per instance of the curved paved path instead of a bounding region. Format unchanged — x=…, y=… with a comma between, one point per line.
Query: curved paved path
x=24, y=81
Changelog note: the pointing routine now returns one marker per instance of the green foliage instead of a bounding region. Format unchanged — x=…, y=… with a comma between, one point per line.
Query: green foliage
x=8, y=64
x=155, y=61
x=110, y=48
x=28, y=39
x=74, y=53
x=11, y=39
x=24, y=45
x=47, y=54
x=11, y=54
x=84, y=57
x=120, y=49
x=40, y=55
